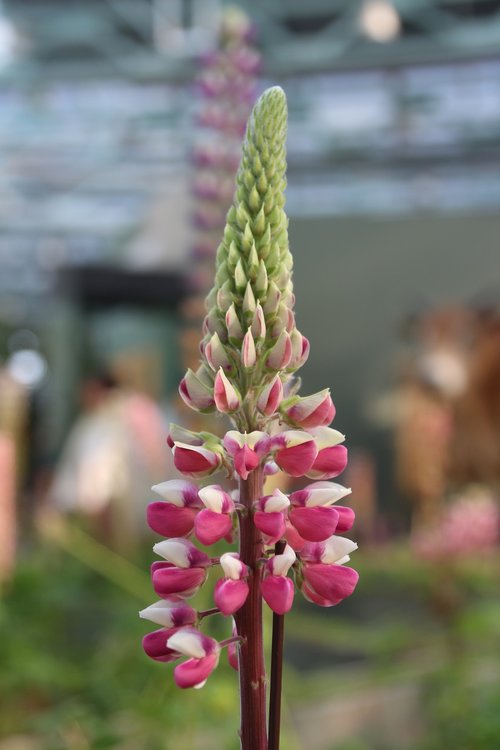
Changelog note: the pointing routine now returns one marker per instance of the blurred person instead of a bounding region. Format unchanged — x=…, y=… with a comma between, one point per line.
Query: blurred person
x=113, y=454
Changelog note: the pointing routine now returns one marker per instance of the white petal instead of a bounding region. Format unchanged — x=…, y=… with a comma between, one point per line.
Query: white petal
x=336, y=547
x=187, y=642
x=276, y=502
x=231, y=565
x=282, y=563
x=159, y=612
x=326, y=437
x=174, y=551
x=172, y=491
x=212, y=497
x=330, y=493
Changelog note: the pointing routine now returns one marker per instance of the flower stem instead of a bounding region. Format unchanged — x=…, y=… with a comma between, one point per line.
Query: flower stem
x=208, y=612
x=252, y=669
x=276, y=672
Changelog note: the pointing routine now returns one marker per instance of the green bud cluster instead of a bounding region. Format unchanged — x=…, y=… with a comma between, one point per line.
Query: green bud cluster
x=253, y=289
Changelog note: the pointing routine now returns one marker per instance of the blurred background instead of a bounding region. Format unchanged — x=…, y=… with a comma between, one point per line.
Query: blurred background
x=120, y=129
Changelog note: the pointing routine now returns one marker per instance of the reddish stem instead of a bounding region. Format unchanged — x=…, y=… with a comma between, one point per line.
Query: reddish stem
x=276, y=672
x=252, y=668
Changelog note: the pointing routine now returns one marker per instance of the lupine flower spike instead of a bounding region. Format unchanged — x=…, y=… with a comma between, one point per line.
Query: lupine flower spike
x=251, y=350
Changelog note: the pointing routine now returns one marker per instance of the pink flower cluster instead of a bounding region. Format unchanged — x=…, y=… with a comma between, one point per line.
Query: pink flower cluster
x=308, y=521
x=469, y=526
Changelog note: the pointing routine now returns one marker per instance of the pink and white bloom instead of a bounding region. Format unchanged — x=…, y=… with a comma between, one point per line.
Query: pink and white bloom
x=175, y=514
x=269, y=516
x=296, y=452
x=182, y=553
x=204, y=656
x=231, y=591
x=258, y=326
x=331, y=458
x=335, y=550
x=277, y=589
x=215, y=521
x=270, y=397
x=227, y=398
x=169, y=613
x=309, y=411
x=246, y=449
x=183, y=435
x=195, y=460
x=195, y=393
x=327, y=585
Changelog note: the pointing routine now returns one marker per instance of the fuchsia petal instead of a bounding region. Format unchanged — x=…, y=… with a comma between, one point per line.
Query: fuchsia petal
x=271, y=524
x=169, y=520
x=245, y=461
x=183, y=582
x=314, y=524
x=293, y=537
x=230, y=595
x=195, y=460
x=297, y=460
x=313, y=597
x=210, y=527
x=155, y=645
x=194, y=672
x=329, y=463
x=332, y=582
x=346, y=518
x=278, y=593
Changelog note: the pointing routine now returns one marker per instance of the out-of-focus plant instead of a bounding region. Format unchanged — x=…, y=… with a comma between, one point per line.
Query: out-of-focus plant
x=250, y=352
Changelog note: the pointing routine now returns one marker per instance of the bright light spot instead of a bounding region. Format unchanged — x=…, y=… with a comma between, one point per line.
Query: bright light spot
x=379, y=20
x=8, y=40
x=27, y=366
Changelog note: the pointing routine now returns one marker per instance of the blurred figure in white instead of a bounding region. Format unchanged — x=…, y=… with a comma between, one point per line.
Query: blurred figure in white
x=114, y=453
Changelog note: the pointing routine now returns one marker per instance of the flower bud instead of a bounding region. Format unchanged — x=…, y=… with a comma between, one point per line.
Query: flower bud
x=309, y=411
x=216, y=354
x=249, y=304
x=233, y=325
x=332, y=457
x=281, y=353
x=258, y=326
x=182, y=435
x=227, y=398
x=248, y=353
x=195, y=393
x=270, y=397
x=300, y=349
x=195, y=461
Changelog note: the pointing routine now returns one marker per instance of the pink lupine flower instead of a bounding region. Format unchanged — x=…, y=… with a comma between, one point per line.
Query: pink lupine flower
x=270, y=515
x=170, y=581
x=270, y=397
x=195, y=393
x=277, y=588
x=246, y=449
x=231, y=591
x=309, y=411
x=314, y=524
x=331, y=459
x=155, y=645
x=327, y=585
x=335, y=550
x=194, y=460
x=204, y=653
x=214, y=522
x=296, y=452
x=227, y=398
x=175, y=514
x=325, y=494
x=170, y=613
